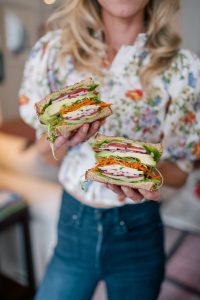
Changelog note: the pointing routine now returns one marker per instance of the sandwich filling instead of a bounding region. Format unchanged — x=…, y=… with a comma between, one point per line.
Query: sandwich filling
x=125, y=170
x=70, y=107
x=144, y=153
x=126, y=161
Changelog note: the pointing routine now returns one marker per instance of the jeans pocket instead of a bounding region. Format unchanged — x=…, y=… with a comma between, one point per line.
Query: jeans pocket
x=143, y=224
x=68, y=220
x=69, y=215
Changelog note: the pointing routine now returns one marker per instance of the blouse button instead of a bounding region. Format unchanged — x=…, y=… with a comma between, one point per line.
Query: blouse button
x=121, y=223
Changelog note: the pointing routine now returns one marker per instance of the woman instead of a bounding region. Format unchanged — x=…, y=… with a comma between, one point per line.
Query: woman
x=115, y=233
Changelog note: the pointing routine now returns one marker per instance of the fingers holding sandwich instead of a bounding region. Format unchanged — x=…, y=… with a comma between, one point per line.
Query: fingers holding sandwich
x=116, y=189
x=150, y=195
x=60, y=141
x=84, y=133
x=136, y=195
x=79, y=136
x=124, y=192
x=131, y=193
x=94, y=127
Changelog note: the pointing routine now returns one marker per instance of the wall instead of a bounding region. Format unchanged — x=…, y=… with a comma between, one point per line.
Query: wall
x=190, y=24
x=32, y=15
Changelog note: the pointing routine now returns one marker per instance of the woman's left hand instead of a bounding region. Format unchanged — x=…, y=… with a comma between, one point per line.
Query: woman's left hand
x=136, y=195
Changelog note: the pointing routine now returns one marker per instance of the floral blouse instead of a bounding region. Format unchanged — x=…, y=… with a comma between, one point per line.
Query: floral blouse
x=171, y=115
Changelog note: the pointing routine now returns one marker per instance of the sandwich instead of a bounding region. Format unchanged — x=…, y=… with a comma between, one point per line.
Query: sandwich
x=126, y=162
x=67, y=109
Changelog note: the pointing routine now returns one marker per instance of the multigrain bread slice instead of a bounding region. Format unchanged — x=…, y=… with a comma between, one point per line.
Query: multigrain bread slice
x=94, y=176
x=147, y=184
x=100, y=138
x=64, y=129
x=51, y=97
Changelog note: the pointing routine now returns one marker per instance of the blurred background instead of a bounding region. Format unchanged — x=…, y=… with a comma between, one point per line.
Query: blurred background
x=30, y=193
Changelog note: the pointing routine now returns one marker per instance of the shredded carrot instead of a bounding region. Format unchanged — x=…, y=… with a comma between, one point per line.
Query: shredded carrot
x=110, y=161
x=136, y=165
x=153, y=175
x=103, y=104
x=83, y=103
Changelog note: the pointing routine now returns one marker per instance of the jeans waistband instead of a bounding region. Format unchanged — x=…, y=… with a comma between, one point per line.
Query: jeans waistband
x=71, y=205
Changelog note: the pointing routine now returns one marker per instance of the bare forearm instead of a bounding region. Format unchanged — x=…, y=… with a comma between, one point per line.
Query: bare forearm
x=173, y=176
x=63, y=143
x=45, y=151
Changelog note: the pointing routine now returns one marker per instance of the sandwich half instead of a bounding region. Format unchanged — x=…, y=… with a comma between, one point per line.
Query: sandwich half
x=69, y=108
x=126, y=162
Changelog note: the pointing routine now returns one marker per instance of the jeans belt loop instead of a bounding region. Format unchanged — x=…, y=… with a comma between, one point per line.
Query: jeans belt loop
x=79, y=214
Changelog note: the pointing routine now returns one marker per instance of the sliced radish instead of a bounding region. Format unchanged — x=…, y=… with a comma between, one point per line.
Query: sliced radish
x=124, y=178
x=77, y=92
x=122, y=147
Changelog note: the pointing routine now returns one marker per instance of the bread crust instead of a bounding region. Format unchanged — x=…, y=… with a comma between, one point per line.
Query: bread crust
x=100, y=138
x=39, y=105
x=92, y=175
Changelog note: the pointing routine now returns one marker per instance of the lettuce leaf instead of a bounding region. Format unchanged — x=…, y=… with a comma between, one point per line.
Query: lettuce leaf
x=153, y=151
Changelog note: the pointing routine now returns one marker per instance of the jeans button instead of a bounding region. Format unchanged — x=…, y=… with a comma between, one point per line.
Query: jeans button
x=74, y=217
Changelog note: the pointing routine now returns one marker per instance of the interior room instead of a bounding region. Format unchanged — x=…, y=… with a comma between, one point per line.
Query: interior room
x=30, y=191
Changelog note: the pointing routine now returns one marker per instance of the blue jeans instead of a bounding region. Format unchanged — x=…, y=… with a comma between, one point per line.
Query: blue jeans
x=122, y=246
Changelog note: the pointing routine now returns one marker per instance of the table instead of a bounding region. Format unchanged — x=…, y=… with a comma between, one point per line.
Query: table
x=13, y=213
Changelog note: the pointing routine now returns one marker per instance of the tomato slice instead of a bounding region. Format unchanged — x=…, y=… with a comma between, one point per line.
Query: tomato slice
x=123, y=147
x=72, y=93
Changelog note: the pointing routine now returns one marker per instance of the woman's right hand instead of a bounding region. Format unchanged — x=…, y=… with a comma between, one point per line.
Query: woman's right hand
x=63, y=143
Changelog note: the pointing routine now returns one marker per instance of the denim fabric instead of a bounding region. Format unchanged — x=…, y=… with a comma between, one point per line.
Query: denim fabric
x=122, y=246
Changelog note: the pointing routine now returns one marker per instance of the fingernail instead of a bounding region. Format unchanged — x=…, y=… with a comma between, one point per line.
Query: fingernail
x=85, y=128
x=96, y=125
x=59, y=142
x=121, y=198
x=125, y=189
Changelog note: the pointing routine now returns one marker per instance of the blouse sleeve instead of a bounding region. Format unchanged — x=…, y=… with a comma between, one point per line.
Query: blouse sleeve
x=35, y=83
x=181, y=133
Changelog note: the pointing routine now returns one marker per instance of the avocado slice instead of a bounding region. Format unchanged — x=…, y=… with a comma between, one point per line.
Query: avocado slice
x=55, y=107
x=146, y=159
x=150, y=149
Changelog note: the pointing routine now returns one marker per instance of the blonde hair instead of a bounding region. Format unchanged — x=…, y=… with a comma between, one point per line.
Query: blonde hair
x=80, y=21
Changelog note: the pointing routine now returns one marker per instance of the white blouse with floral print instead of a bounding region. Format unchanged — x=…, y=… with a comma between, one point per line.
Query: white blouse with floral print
x=170, y=115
